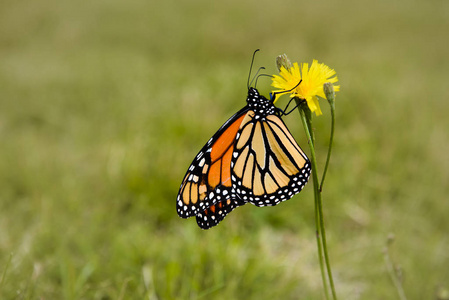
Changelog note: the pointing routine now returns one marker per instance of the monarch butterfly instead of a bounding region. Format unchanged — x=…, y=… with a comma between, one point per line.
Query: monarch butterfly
x=252, y=158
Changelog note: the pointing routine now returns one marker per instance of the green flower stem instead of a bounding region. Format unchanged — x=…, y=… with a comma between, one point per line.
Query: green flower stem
x=303, y=110
x=320, y=231
x=331, y=141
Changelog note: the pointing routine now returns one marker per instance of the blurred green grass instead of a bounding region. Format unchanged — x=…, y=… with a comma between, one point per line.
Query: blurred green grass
x=103, y=105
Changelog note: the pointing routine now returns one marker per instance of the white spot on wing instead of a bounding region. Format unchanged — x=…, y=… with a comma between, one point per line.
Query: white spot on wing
x=202, y=161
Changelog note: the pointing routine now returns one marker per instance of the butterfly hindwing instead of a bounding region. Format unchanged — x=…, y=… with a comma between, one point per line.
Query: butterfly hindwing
x=268, y=166
x=214, y=214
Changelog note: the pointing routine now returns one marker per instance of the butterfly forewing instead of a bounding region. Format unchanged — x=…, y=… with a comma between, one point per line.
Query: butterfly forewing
x=208, y=179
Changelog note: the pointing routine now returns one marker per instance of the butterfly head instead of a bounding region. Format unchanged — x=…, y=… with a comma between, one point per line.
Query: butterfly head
x=259, y=103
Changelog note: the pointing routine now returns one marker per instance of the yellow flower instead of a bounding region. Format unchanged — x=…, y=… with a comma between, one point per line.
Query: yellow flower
x=311, y=85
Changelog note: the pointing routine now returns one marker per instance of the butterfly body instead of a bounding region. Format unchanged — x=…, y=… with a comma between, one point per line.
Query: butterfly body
x=252, y=158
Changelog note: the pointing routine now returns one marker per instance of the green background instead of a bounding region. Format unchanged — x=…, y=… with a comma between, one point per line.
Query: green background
x=104, y=104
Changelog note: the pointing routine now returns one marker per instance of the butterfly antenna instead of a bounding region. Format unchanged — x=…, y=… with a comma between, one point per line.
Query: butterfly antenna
x=251, y=67
x=260, y=75
x=256, y=77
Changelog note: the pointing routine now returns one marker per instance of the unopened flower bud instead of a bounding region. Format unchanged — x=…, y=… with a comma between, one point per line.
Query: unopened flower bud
x=329, y=91
x=283, y=61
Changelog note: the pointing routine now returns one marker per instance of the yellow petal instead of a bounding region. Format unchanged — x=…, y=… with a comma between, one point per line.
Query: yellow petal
x=316, y=106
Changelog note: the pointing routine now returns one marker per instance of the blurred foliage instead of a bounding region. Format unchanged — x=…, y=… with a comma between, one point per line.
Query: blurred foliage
x=104, y=104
